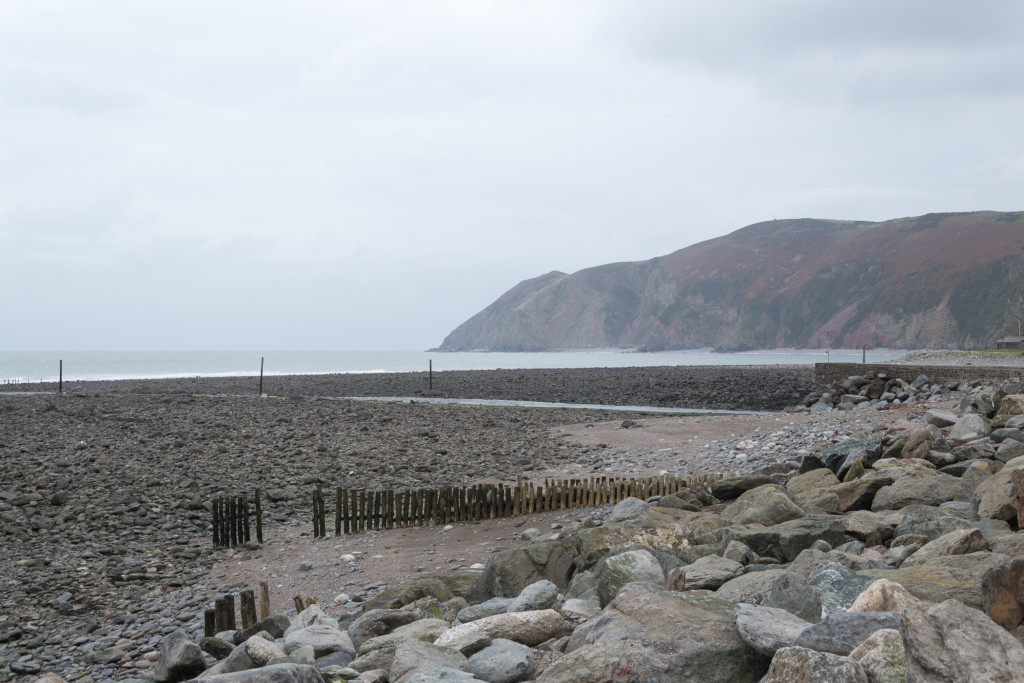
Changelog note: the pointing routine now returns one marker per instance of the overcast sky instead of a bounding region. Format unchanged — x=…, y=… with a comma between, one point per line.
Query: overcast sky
x=368, y=175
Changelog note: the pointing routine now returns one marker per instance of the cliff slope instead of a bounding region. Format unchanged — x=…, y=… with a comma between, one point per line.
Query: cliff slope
x=939, y=280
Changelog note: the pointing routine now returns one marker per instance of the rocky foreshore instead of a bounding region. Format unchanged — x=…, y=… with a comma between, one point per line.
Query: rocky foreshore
x=731, y=387
x=107, y=571
x=895, y=555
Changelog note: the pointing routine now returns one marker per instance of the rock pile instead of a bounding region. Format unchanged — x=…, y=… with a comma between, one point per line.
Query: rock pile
x=894, y=555
x=876, y=390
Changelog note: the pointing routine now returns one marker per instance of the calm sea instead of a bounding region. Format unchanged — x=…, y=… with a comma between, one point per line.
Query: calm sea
x=37, y=366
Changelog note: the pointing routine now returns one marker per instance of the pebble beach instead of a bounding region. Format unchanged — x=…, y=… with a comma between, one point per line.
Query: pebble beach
x=105, y=490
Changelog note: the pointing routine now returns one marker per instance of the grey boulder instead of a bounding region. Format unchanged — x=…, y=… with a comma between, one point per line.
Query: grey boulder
x=953, y=642
x=275, y=673
x=180, y=659
x=774, y=588
x=800, y=665
x=631, y=566
x=842, y=632
x=503, y=661
x=768, y=629
x=650, y=634
x=539, y=595
x=837, y=587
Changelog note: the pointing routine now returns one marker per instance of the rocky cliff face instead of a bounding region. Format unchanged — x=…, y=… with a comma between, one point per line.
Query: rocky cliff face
x=939, y=280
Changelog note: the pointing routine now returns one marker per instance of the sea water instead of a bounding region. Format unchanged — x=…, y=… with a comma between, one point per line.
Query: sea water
x=45, y=366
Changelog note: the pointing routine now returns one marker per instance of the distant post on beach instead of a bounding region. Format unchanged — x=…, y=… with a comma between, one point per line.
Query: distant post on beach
x=60, y=378
x=261, y=376
x=430, y=375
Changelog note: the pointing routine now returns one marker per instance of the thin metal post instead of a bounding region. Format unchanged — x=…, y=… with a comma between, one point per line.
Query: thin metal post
x=430, y=381
x=261, y=376
x=60, y=381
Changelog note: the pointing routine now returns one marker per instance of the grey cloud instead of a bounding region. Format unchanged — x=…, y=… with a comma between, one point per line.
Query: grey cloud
x=874, y=49
x=345, y=175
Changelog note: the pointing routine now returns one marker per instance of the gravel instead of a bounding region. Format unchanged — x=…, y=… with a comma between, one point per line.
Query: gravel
x=105, y=491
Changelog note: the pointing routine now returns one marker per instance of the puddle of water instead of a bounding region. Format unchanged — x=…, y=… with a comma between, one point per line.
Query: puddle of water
x=545, y=404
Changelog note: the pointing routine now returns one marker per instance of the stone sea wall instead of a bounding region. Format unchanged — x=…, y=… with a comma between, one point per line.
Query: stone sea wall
x=828, y=373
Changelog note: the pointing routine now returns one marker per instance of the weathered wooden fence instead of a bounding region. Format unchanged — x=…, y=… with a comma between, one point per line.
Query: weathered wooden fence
x=231, y=520
x=359, y=510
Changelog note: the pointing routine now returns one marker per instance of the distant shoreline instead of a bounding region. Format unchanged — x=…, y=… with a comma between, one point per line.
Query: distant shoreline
x=754, y=387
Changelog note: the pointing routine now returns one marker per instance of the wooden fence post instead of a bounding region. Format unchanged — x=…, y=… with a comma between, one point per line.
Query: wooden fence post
x=264, y=600
x=224, y=619
x=210, y=623
x=259, y=518
x=216, y=526
x=248, y=608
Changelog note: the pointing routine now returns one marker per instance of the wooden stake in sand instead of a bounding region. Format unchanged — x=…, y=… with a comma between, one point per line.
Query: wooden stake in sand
x=224, y=619
x=248, y=608
x=264, y=600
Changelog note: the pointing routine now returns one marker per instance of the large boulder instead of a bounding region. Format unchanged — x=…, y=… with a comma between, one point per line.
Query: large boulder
x=840, y=633
x=1001, y=496
x=807, y=485
x=180, y=659
x=540, y=595
x=882, y=657
x=841, y=457
x=650, y=634
x=503, y=661
x=918, y=444
x=655, y=528
x=860, y=493
x=528, y=628
x=940, y=418
x=871, y=528
x=441, y=586
x=431, y=660
x=378, y=622
x=734, y=487
x=626, y=509
x=959, y=542
x=708, y=572
x=767, y=505
x=801, y=665
x=930, y=490
x=275, y=673
x=427, y=630
x=508, y=572
x=774, y=588
x=930, y=522
x=837, y=587
x=957, y=577
x=309, y=616
x=953, y=642
x=786, y=540
x=260, y=650
x=487, y=608
x=969, y=427
x=768, y=629
x=1002, y=594
x=323, y=639
x=972, y=477
x=902, y=467
x=883, y=596
x=1012, y=404
x=630, y=566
